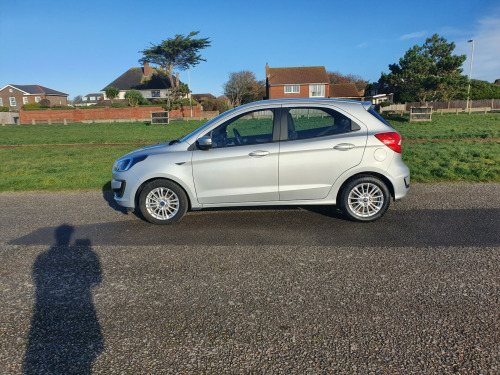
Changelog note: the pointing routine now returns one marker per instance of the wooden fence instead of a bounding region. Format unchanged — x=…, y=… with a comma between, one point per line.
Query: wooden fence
x=460, y=104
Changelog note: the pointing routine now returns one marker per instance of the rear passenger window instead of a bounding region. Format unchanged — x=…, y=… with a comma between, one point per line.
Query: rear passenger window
x=314, y=122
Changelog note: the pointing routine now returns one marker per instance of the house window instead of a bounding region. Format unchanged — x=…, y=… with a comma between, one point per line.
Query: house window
x=292, y=89
x=84, y=99
x=155, y=93
x=25, y=100
x=1, y=102
x=92, y=98
x=317, y=91
x=12, y=101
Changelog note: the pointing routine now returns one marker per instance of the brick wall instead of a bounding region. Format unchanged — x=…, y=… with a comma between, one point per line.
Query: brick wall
x=107, y=114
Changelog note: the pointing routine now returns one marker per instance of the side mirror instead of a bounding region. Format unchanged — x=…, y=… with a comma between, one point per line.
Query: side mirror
x=204, y=143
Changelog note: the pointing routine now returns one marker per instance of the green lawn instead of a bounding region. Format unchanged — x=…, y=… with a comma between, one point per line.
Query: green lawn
x=448, y=126
x=58, y=168
x=89, y=167
x=453, y=161
x=119, y=132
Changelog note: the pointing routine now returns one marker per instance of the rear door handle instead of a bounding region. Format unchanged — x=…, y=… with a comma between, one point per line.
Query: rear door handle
x=343, y=146
x=258, y=153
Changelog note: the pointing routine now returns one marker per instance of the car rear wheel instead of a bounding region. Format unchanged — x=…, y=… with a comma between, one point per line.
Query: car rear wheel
x=163, y=202
x=365, y=199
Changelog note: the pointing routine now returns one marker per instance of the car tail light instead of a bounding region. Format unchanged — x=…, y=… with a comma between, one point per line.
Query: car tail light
x=391, y=140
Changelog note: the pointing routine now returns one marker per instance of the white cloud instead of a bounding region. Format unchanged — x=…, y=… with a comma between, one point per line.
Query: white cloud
x=362, y=45
x=486, y=64
x=418, y=34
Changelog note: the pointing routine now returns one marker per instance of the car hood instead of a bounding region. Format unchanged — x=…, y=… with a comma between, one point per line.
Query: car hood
x=156, y=149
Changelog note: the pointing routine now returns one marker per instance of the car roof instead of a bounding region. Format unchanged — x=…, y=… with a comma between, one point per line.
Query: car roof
x=312, y=101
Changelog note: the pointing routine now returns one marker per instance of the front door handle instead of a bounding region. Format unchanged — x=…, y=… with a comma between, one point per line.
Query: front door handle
x=258, y=153
x=343, y=146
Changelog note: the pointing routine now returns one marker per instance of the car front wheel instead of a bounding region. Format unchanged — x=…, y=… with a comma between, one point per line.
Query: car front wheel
x=365, y=199
x=163, y=202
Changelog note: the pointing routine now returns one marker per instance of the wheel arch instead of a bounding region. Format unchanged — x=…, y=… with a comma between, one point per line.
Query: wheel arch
x=380, y=176
x=144, y=183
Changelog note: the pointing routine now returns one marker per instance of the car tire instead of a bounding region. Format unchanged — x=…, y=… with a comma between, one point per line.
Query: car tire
x=163, y=202
x=365, y=198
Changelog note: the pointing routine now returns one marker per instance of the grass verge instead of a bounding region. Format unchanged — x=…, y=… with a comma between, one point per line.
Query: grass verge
x=80, y=167
x=58, y=168
x=84, y=167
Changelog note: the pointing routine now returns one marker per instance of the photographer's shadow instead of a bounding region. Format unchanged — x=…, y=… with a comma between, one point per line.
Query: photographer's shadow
x=65, y=335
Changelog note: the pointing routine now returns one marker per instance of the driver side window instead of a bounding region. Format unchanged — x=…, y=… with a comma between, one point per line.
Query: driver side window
x=248, y=129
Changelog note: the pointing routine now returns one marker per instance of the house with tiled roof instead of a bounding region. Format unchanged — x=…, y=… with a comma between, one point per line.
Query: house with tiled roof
x=297, y=82
x=15, y=96
x=153, y=83
x=88, y=100
x=345, y=91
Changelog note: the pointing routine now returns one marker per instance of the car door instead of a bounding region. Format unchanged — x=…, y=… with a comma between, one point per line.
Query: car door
x=318, y=145
x=242, y=165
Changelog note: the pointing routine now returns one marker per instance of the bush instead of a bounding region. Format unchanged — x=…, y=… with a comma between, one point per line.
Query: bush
x=215, y=105
x=117, y=105
x=134, y=97
x=4, y=109
x=185, y=102
x=159, y=101
x=45, y=103
x=31, y=106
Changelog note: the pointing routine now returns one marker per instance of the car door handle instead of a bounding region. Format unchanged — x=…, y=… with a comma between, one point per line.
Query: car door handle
x=343, y=146
x=258, y=153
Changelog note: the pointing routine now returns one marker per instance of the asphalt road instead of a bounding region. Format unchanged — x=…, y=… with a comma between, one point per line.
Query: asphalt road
x=87, y=288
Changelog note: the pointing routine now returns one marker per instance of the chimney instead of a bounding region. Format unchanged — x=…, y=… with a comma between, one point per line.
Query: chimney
x=146, y=69
x=267, y=70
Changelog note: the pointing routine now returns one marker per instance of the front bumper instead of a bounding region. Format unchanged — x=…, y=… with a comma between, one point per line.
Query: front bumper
x=118, y=187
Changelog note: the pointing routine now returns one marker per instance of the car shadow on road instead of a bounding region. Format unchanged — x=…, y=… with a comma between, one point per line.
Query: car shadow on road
x=65, y=335
x=108, y=196
x=326, y=210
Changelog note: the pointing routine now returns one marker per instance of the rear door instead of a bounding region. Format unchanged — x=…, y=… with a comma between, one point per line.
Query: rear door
x=318, y=145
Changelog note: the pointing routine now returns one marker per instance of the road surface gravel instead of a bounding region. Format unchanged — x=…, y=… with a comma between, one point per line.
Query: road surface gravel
x=87, y=288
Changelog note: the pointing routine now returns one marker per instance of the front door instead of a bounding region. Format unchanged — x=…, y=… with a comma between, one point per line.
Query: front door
x=242, y=165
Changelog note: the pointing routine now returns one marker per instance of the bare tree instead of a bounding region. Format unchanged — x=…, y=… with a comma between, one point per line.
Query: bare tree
x=243, y=87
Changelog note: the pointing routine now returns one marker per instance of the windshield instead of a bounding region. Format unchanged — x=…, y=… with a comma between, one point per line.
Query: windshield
x=206, y=125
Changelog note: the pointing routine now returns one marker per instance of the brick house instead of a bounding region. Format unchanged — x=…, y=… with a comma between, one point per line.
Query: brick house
x=297, y=82
x=153, y=83
x=15, y=96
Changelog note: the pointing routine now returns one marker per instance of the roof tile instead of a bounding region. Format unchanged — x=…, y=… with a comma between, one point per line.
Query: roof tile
x=297, y=75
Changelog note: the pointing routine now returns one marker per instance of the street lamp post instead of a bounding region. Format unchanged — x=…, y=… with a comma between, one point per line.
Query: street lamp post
x=189, y=88
x=470, y=73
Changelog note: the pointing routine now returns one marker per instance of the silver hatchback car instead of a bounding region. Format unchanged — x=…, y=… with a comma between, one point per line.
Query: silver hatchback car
x=273, y=152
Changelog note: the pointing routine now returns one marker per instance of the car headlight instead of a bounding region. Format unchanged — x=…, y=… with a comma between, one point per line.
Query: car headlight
x=123, y=165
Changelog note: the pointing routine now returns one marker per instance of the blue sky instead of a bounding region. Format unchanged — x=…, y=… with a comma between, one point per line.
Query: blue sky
x=79, y=47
